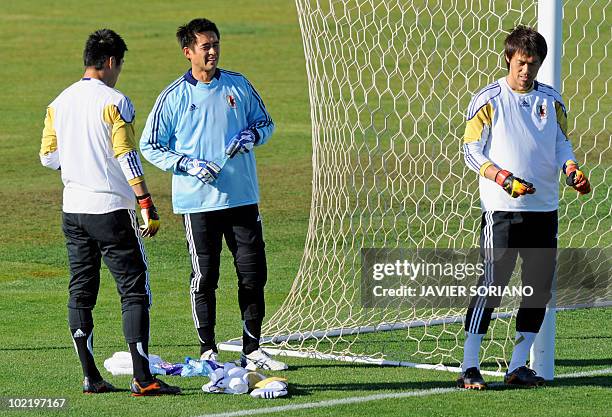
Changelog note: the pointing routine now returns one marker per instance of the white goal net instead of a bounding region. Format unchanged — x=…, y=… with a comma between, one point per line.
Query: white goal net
x=389, y=83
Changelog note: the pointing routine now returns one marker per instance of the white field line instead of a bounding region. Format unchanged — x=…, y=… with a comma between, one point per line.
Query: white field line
x=331, y=403
x=375, y=397
x=586, y=373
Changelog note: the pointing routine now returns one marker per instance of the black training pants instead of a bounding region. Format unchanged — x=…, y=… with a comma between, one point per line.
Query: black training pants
x=241, y=226
x=504, y=236
x=115, y=238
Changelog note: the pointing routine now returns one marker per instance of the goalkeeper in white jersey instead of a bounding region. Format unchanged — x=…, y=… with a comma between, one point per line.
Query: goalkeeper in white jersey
x=89, y=137
x=516, y=140
x=203, y=128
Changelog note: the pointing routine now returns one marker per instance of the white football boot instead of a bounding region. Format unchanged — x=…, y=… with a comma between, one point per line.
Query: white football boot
x=258, y=359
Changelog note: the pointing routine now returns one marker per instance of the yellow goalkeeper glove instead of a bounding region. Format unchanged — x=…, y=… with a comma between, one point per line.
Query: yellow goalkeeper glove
x=514, y=186
x=576, y=178
x=149, y=216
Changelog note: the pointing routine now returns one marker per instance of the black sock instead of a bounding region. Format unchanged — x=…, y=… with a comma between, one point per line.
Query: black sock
x=207, y=338
x=251, y=332
x=83, y=340
x=141, y=363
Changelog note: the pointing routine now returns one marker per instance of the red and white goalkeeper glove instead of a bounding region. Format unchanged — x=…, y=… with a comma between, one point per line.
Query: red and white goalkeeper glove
x=149, y=215
x=576, y=178
x=514, y=186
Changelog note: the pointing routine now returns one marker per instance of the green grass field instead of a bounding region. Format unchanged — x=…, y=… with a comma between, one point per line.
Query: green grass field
x=41, y=45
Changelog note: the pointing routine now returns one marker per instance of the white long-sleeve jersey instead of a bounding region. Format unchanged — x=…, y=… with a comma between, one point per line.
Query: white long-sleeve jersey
x=524, y=133
x=89, y=135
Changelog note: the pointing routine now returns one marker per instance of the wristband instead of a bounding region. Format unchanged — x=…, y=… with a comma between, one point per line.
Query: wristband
x=501, y=176
x=145, y=201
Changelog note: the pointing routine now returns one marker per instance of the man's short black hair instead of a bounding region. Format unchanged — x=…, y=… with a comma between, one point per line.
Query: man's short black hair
x=527, y=41
x=186, y=35
x=101, y=45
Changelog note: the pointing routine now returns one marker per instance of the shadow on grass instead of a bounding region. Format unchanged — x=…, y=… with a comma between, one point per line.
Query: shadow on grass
x=118, y=347
x=586, y=337
x=121, y=390
x=309, y=389
x=34, y=348
x=337, y=365
x=603, y=381
x=330, y=365
x=570, y=363
x=577, y=363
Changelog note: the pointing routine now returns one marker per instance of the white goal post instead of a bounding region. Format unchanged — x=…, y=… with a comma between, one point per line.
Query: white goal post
x=389, y=82
x=550, y=18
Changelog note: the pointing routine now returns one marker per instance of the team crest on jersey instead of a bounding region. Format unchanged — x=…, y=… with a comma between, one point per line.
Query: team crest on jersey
x=542, y=111
x=231, y=101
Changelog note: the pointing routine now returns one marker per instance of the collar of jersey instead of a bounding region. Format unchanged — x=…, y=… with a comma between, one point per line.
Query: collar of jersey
x=96, y=80
x=533, y=87
x=191, y=80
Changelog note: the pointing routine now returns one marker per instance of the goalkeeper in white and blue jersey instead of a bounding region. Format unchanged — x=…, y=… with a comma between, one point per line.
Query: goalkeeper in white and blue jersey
x=516, y=139
x=89, y=137
x=203, y=128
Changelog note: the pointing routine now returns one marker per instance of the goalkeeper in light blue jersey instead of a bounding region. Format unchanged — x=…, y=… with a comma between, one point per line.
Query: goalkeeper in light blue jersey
x=203, y=128
x=197, y=118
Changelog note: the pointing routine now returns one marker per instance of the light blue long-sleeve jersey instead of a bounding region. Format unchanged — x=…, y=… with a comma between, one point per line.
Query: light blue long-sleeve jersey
x=198, y=120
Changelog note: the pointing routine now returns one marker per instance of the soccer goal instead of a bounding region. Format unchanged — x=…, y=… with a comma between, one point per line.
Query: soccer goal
x=389, y=83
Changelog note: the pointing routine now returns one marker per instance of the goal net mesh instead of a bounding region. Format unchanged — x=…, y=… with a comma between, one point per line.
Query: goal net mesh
x=389, y=83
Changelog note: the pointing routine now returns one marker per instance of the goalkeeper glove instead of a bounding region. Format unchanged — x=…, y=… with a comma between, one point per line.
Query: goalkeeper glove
x=576, y=178
x=514, y=186
x=243, y=142
x=205, y=171
x=149, y=215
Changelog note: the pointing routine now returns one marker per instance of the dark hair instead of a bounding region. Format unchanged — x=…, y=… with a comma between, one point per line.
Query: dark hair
x=525, y=40
x=101, y=45
x=186, y=35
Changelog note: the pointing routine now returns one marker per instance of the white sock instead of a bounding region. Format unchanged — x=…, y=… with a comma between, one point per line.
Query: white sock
x=522, y=344
x=471, y=348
